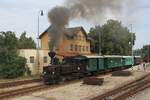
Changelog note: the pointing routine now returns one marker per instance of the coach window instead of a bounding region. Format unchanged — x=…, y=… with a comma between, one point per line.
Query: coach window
x=31, y=59
x=45, y=59
x=71, y=47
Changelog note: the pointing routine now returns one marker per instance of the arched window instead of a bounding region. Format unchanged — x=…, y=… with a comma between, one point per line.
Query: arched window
x=71, y=47
x=83, y=48
x=87, y=48
x=45, y=59
x=80, y=48
x=31, y=59
x=76, y=47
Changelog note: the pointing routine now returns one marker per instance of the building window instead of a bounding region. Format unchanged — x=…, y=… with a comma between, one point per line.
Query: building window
x=79, y=47
x=71, y=47
x=87, y=48
x=76, y=47
x=45, y=59
x=83, y=48
x=31, y=59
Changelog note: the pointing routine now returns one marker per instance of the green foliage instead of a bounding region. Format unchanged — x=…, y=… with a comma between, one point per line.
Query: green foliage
x=114, y=38
x=11, y=65
x=146, y=50
x=143, y=52
x=13, y=69
x=26, y=42
x=137, y=52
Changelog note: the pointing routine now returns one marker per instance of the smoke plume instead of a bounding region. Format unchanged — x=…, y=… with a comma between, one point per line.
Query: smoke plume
x=90, y=8
x=86, y=9
x=59, y=17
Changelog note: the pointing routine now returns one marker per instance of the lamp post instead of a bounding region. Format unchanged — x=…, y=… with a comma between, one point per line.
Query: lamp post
x=40, y=13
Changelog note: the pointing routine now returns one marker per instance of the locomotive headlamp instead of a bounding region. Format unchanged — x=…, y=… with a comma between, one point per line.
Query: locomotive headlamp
x=78, y=68
x=53, y=73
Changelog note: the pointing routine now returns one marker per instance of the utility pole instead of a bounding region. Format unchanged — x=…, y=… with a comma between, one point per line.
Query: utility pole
x=131, y=44
x=40, y=13
x=98, y=30
x=149, y=52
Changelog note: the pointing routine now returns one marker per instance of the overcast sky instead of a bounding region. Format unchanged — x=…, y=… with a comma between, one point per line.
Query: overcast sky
x=21, y=15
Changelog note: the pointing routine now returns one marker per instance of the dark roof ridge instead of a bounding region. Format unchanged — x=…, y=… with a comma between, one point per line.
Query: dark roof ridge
x=68, y=28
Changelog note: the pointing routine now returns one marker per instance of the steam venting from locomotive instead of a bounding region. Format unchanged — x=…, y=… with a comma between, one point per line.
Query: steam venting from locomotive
x=90, y=10
x=59, y=17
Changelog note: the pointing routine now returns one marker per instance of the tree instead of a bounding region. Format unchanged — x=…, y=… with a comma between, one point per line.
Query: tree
x=26, y=42
x=146, y=50
x=137, y=52
x=11, y=65
x=113, y=38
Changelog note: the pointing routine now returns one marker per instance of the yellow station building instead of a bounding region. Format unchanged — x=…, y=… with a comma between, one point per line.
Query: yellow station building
x=73, y=42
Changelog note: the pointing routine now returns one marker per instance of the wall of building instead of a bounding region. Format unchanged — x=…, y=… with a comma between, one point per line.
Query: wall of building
x=78, y=45
x=32, y=59
x=44, y=42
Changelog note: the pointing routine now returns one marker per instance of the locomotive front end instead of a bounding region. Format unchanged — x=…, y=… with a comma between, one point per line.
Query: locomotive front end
x=50, y=74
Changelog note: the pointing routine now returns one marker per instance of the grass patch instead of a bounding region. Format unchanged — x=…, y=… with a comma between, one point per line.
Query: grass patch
x=21, y=78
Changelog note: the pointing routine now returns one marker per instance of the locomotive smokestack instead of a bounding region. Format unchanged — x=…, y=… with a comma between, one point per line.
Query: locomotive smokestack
x=51, y=55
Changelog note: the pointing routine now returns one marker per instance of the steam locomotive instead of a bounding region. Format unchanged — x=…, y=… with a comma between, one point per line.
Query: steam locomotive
x=80, y=66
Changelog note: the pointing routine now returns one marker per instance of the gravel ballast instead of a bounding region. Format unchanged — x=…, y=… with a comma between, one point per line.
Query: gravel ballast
x=79, y=91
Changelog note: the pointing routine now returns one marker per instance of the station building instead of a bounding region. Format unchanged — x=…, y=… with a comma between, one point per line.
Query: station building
x=73, y=42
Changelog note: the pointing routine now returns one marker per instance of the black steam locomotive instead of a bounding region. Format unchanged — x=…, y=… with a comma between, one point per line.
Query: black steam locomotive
x=70, y=67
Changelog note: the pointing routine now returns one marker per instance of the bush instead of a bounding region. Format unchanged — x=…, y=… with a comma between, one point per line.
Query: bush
x=11, y=65
x=13, y=69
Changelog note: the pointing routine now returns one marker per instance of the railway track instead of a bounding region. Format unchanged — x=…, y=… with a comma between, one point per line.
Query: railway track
x=121, y=93
x=27, y=90
x=21, y=91
x=17, y=83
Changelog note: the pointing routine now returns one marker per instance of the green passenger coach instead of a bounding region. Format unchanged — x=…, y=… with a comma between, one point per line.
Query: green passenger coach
x=95, y=63
x=111, y=62
x=128, y=60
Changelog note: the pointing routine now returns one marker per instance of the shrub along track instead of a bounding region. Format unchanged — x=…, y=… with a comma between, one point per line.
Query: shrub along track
x=17, y=83
x=121, y=93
